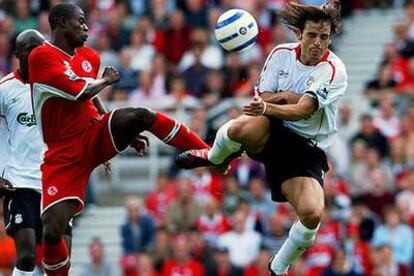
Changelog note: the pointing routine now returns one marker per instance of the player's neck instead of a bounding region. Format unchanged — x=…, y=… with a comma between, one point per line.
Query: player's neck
x=63, y=44
x=24, y=74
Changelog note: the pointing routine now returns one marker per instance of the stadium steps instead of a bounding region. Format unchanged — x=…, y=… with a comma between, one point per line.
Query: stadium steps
x=102, y=222
x=361, y=48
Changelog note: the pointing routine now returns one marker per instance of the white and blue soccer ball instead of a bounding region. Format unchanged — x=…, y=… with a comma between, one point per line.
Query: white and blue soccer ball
x=236, y=30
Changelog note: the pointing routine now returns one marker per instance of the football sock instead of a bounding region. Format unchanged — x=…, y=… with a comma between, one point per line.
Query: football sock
x=18, y=272
x=175, y=134
x=300, y=238
x=223, y=146
x=56, y=259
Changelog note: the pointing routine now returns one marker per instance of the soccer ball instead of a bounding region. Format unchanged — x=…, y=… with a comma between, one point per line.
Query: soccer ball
x=236, y=30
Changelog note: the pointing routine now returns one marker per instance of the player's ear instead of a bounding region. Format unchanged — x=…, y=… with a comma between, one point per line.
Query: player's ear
x=62, y=21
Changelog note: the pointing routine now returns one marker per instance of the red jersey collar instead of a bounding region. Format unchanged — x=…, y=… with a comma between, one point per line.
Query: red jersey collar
x=60, y=50
x=324, y=57
x=18, y=76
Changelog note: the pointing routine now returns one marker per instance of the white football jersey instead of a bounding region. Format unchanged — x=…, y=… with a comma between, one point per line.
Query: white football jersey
x=26, y=145
x=4, y=145
x=327, y=81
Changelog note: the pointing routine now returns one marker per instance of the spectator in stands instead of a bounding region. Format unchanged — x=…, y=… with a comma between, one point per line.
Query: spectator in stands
x=405, y=199
x=7, y=250
x=364, y=178
x=403, y=43
x=178, y=35
x=397, y=160
x=386, y=120
x=196, y=74
x=200, y=250
x=245, y=169
x=119, y=35
x=145, y=266
x=241, y=240
x=161, y=250
x=129, y=76
x=211, y=56
x=277, y=233
x=97, y=266
x=212, y=89
x=385, y=264
x=182, y=263
x=233, y=195
x=259, y=266
x=357, y=250
x=319, y=256
x=245, y=88
x=146, y=94
x=341, y=265
x=382, y=85
x=159, y=199
x=184, y=210
x=138, y=232
x=207, y=185
x=234, y=72
x=108, y=56
x=371, y=136
x=24, y=20
x=260, y=201
x=380, y=193
x=222, y=265
x=178, y=96
x=396, y=234
x=212, y=222
x=141, y=52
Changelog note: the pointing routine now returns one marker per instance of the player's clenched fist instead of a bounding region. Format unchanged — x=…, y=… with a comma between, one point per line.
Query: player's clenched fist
x=111, y=75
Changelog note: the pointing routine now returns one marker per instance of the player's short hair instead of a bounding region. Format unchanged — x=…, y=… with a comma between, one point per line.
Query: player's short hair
x=60, y=10
x=295, y=15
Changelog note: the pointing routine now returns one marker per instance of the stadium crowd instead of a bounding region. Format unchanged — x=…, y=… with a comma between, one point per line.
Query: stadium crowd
x=200, y=223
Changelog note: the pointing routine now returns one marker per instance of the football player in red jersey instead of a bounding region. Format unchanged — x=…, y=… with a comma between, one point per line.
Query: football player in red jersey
x=77, y=137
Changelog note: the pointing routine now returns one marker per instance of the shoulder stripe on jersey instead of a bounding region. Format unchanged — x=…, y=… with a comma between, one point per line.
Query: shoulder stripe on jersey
x=333, y=71
x=5, y=79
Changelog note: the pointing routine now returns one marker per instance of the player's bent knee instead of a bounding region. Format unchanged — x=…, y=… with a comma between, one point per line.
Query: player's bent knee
x=135, y=117
x=311, y=216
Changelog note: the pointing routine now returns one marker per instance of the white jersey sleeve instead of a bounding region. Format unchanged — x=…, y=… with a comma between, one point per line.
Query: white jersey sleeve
x=268, y=81
x=330, y=86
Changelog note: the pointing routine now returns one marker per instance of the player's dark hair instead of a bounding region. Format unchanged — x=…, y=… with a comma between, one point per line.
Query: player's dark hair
x=60, y=10
x=295, y=15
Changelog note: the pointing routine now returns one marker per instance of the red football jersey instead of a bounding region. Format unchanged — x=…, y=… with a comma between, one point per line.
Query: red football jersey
x=57, y=80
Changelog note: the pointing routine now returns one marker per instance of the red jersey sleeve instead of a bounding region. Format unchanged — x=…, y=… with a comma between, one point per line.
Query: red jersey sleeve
x=48, y=70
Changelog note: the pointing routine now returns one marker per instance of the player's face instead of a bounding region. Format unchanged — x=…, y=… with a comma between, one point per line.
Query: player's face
x=23, y=51
x=76, y=29
x=315, y=39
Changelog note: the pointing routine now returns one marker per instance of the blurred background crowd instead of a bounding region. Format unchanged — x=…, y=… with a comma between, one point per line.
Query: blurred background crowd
x=200, y=223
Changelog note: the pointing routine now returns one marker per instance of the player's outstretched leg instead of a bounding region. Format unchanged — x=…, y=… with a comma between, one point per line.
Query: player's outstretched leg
x=25, y=242
x=244, y=133
x=56, y=260
x=306, y=196
x=127, y=123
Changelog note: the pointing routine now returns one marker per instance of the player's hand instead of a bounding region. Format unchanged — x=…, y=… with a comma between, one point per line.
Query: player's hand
x=107, y=168
x=256, y=107
x=140, y=144
x=5, y=186
x=110, y=74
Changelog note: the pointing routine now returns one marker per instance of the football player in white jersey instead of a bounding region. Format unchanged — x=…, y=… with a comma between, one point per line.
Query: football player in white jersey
x=289, y=123
x=20, y=184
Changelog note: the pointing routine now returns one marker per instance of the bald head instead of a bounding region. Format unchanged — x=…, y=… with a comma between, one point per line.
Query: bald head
x=29, y=37
x=62, y=10
x=25, y=42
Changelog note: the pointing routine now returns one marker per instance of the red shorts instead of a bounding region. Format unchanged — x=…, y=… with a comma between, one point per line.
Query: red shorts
x=67, y=165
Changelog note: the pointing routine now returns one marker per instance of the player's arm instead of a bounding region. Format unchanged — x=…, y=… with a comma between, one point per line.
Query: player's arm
x=286, y=97
x=110, y=76
x=99, y=105
x=304, y=108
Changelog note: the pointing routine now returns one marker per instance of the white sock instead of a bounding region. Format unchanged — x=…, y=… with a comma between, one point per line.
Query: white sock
x=18, y=272
x=223, y=146
x=300, y=238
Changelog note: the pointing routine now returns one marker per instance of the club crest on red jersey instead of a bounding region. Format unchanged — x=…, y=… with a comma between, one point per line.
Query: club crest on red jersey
x=86, y=66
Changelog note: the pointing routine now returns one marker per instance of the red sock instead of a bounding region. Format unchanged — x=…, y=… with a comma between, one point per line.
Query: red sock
x=56, y=259
x=175, y=134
